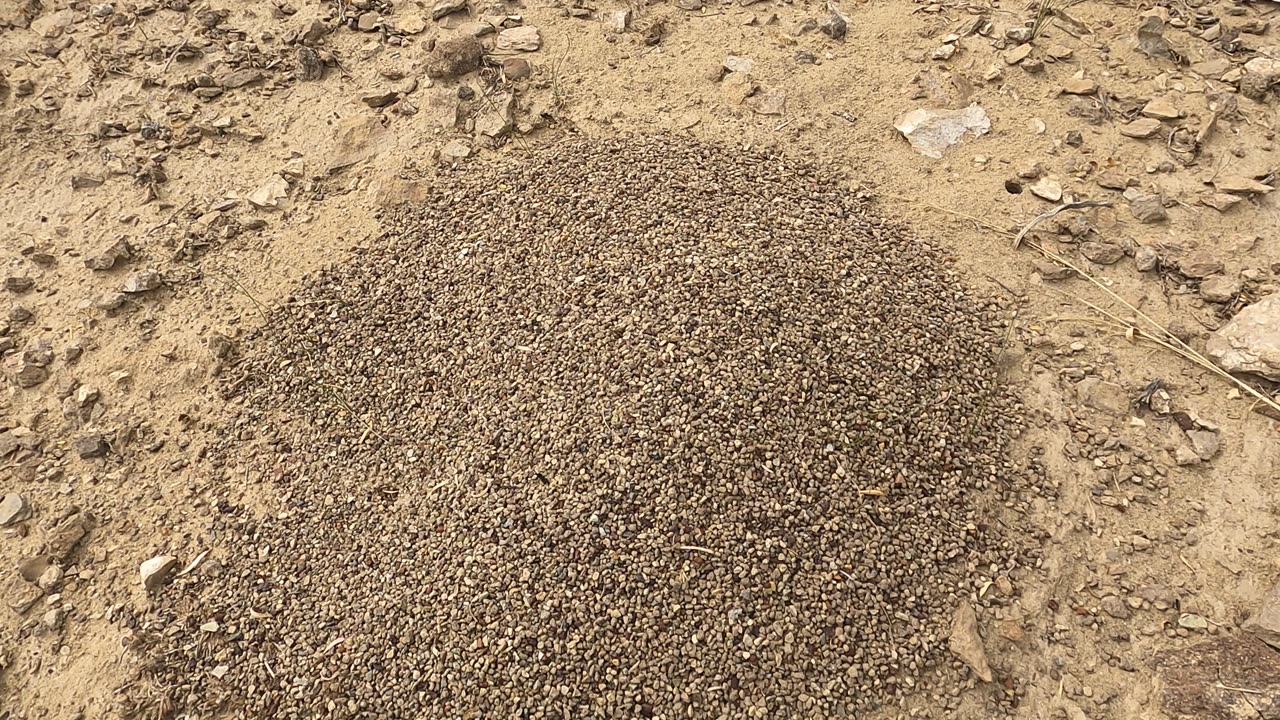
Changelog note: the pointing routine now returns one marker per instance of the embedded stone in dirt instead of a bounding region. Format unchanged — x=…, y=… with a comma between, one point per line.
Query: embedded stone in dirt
x=454, y=56
x=1250, y=341
x=156, y=571
x=566, y=415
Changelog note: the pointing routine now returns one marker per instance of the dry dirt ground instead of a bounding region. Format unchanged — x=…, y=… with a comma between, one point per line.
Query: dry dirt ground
x=207, y=136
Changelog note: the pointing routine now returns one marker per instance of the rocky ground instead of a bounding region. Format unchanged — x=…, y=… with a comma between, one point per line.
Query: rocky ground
x=173, y=170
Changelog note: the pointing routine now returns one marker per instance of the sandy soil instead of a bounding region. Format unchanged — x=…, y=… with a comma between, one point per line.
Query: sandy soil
x=105, y=135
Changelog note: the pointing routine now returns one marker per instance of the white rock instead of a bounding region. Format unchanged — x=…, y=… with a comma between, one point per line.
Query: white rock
x=156, y=571
x=13, y=508
x=524, y=38
x=142, y=281
x=1250, y=342
x=932, y=131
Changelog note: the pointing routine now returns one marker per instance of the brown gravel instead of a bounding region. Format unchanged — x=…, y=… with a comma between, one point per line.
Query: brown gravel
x=629, y=429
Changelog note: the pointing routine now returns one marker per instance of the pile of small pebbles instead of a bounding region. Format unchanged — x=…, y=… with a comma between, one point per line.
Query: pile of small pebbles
x=629, y=428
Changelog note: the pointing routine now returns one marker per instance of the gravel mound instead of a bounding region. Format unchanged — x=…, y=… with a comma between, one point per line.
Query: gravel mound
x=637, y=428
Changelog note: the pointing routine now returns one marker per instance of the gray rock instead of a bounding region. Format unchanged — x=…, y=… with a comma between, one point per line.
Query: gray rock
x=1146, y=259
x=1220, y=289
x=1148, y=209
x=1250, y=341
x=447, y=7
x=157, y=571
x=1102, y=395
x=18, y=283
x=524, y=38
x=1205, y=443
x=92, y=445
x=1052, y=271
x=13, y=509
x=30, y=375
x=966, y=644
x=50, y=579
x=1199, y=265
x=1265, y=622
x=107, y=258
x=1102, y=253
x=1115, y=607
x=143, y=281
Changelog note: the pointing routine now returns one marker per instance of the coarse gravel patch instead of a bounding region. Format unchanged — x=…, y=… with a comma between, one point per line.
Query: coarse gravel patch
x=627, y=428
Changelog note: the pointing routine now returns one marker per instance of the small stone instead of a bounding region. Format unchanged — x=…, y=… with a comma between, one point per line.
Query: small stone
x=379, y=98
x=1146, y=259
x=1221, y=202
x=309, y=66
x=52, y=620
x=156, y=571
x=1212, y=69
x=1079, y=86
x=270, y=194
x=1059, y=52
x=368, y=22
x=18, y=283
x=50, y=579
x=1030, y=171
x=1191, y=621
x=1047, y=189
x=1199, y=265
x=835, y=25
x=455, y=150
x=1148, y=209
x=1052, y=271
x=1240, y=185
x=1161, y=109
x=142, y=281
x=29, y=375
x=1115, y=607
x=516, y=68
x=1017, y=54
x=1102, y=395
x=524, y=38
x=81, y=182
x=1141, y=128
x=241, y=78
x=67, y=536
x=110, y=300
x=1101, y=252
x=738, y=64
x=1113, y=180
x=1185, y=456
x=92, y=445
x=410, y=24
x=1020, y=35
x=966, y=644
x=943, y=52
x=1265, y=621
x=1205, y=443
x=13, y=509
x=454, y=56
x=22, y=596
x=1220, y=289
x=1250, y=341
x=619, y=21
x=107, y=258
x=1032, y=65
x=689, y=5
x=447, y=7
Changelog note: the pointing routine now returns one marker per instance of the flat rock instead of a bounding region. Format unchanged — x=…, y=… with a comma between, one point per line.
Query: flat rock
x=1199, y=265
x=1148, y=209
x=1051, y=271
x=1205, y=443
x=516, y=68
x=1211, y=68
x=1141, y=128
x=1240, y=185
x=240, y=78
x=1250, y=341
x=739, y=64
x=1146, y=259
x=1113, y=179
x=1115, y=607
x=966, y=644
x=1220, y=201
x=524, y=38
x=1264, y=623
x=379, y=98
x=455, y=150
x=1079, y=86
x=14, y=508
x=270, y=194
x=142, y=281
x=454, y=56
x=1102, y=395
x=768, y=101
x=157, y=571
x=1047, y=189
x=447, y=7
x=22, y=596
x=64, y=539
x=1220, y=288
x=108, y=257
x=1161, y=109
x=29, y=375
x=1017, y=54
x=91, y=445
x=1101, y=252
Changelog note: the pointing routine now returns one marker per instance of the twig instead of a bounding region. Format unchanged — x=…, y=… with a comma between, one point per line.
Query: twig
x=695, y=548
x=1017, y=241
x=844, y=115
x=174, y=54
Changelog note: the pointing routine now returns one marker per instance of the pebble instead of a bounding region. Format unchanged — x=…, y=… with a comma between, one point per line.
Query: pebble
x=157, y=571
x=1161, y=109
x=1250, y=341
x=1146, y=259
x=142, y=281
x=1079, y=86
x=13, y=509
x=1199, y=265
x=1240, y=185
x=1017, y=54
x=1220, y=288
x=1101, y=252
x=516, y=68
x=1148, y=209
x=1116, y=607
x=1264, y=623
x=524, y=38
x=91, y=445
x=1141, y=128
x=1046, y=189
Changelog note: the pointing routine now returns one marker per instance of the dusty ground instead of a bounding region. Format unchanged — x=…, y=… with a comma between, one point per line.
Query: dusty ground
x=112, y=126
